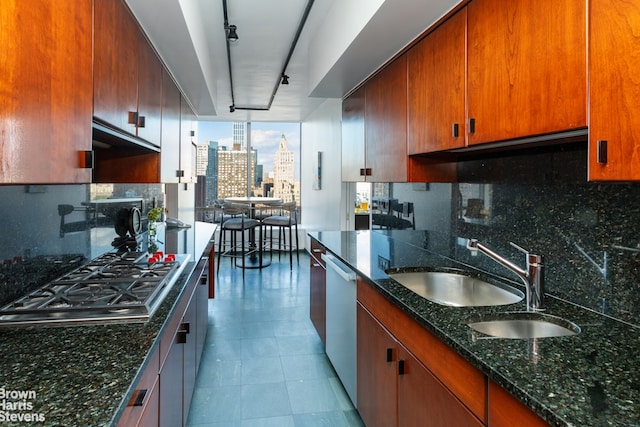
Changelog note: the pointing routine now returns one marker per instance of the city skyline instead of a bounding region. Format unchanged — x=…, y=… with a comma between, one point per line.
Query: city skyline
x=265, y=139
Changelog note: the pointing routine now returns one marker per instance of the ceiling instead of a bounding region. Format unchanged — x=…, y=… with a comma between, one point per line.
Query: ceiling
x=340, y=45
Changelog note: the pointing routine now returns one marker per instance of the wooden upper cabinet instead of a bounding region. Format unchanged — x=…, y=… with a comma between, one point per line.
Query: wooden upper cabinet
x=45, y=91
x=614, y=93
x=188, y=130
x=385, y=122
x=170, y=139
x=115, y=82
x=353, y=136
x=127, y=73
x=149, y=94
x=436, y=83
x=526, y=68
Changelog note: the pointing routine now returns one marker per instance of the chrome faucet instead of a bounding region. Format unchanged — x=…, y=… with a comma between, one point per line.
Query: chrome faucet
x=532, y=276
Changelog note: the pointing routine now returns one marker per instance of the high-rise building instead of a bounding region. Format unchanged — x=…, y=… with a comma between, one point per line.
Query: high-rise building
x=202, y=158
x=211, y=173
x=284, y=185
x=232, y=172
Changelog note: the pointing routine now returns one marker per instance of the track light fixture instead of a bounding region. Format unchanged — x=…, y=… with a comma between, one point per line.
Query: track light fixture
x=285, y=79
x=232, y=34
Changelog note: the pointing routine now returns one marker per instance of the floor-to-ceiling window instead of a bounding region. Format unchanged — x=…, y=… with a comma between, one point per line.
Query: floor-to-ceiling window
x=237, y=159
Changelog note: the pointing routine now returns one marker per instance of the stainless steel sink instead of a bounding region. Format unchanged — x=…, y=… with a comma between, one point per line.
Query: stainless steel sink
x=457, y=290
x=525, y=325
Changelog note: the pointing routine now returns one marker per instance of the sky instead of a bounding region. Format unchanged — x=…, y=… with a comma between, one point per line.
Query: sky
x=265, y=137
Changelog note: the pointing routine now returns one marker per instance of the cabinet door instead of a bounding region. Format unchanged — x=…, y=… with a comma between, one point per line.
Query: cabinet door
x=614, y=92
x=504, y=408
x=149, y=94
x=187, y=137
x=318, y=297
x=115, y=69
x=436, y=85
x=353, y=137
x=376, y=376
x=386, y=124
x=422, y=397
x=171, y=383
x=170, y=138
x=526, y=68
x=202, y=310
x=45, y=91
x=189, y=325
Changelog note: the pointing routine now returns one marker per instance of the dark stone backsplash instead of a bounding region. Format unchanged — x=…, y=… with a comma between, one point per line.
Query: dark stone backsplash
x=40, y=241
x=589, y=233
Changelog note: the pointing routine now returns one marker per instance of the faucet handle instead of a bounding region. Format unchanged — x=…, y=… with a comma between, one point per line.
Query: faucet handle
x=521, y=249
x=531, y=258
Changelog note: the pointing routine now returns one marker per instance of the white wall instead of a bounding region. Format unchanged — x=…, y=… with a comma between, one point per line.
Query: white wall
x=322, y=131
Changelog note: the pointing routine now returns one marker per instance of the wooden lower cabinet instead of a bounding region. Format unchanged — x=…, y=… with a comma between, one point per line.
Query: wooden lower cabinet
x=395, y=389
x=171, y=383
x=169, y=378
x=377, y=374
x=424, y=401
x=142, y=409
x=504, y=410
x=408, y=377
x=318, y=290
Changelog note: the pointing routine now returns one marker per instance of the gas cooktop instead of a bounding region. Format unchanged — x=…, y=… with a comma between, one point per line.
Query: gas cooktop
x=126, y=287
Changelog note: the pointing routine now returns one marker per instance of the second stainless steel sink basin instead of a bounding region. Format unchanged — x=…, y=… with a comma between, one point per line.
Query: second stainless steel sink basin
x=457, y=290
x=524, y=325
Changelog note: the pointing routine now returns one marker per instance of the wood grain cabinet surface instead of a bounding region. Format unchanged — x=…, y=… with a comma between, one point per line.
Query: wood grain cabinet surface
x=527, y=70
x=614, y=90
x=45, y=91
x=318, y=290
x=116, y=49
x=436, y=88
x=405, y=373
x=353, y=146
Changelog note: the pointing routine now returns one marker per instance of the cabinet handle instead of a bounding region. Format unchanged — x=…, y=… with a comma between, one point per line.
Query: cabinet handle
x=367, y=171
x=455, y=130
x=185, y=327
x=602, y=151
x=472, y=125
x=315, y=264
x=133, y=118
x=140, y=122
x=181, y=337
x=363, y=172
x=203, y=280
x=139, y=400
x=389, y=355
x=401, y=367
x=179, y=173
x=85, y=159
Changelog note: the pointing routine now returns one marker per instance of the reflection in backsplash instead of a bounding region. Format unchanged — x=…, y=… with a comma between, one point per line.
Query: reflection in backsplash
x=49, y=229
x=589, y=233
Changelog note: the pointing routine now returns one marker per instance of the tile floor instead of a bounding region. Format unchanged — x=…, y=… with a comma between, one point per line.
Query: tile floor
x=263, y=363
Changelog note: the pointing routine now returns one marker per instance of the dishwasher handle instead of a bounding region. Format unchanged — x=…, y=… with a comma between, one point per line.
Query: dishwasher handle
x=343, y=271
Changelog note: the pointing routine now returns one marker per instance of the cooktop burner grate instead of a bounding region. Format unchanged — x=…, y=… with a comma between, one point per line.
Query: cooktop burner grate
x=111, y=287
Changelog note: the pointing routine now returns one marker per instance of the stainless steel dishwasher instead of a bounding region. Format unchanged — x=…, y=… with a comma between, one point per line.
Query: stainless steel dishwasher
x=341, y=322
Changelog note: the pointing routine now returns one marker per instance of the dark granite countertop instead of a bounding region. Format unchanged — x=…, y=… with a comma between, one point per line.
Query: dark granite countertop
x=590, y=379
x=81, y=375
